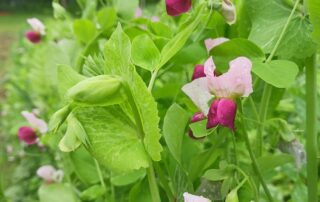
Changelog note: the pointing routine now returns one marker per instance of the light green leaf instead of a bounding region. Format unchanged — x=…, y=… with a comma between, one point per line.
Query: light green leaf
x=49, y=193
x=279, y=73
x=234, y=48
x=268, y=19
x=161, y=29
x=199, y=128
x=84, y=166
x=92, y=193
x=145, y=53
x=67, y=78
x=113, y=137
x=107, y=18
x=314, y=11
x=59, y=12
x=174, y=125
x=217, y=174
x=270, y=162
x=84, y=30
x=140, y=192
x=128, y=178
x=126, y=8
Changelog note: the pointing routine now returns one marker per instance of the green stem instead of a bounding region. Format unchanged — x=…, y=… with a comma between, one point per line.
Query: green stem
x=311, y=130
x=100, y=174
x=153, y=184
x=253, y=159
x=153, y=79
x=234, y=148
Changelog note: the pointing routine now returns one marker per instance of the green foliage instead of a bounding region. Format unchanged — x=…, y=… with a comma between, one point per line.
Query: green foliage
x=56, y=192
x=314, y=10
x=84, y=30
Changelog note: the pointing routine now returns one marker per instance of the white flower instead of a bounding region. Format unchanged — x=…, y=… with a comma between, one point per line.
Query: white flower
x=193, y=198
x=37, y=25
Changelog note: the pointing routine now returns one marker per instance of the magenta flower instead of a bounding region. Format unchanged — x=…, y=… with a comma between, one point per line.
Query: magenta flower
x=27, y=135
x=237, y=82
x=38, y=30
x=35, y=122
x=211, y=43
x=49, y=174
x=195, y=118
x=177, y=7
x=198, y=72
x=193, y=198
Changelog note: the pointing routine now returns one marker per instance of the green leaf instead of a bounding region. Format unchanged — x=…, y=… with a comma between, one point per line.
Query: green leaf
x=268, y=19
x=178, y=41
x=234, y=48
x=217, y=174
x=128, y=178
x=92, y=193
x=161, y=29
x=279, y=73
x=232, y=196
x=314, y=11
x=49, y=193
x=270, y=162
x=199, y=128
x=107, y=18
x=140, y=192
x=84, y=30
x=67, y=78
x=59, y=12
x=145, y=53
x=117, y=54
x=126, y=8
x=174, y=125
x=84, y=166
x=113, y=137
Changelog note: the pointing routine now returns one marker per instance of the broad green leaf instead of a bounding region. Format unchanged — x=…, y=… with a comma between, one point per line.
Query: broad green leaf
x=92, y=193
x=84, y=166
x=126, y=8
x=59, y=12
x=84, y=30
x=67, y=78
x=234, y=48
x=161, y=29
x=128, y=178
x=279, y=73
x=314, y=11
x=270, y=162
x=145, y=53
x=268, y=19
x=107, y=18
x=199, y=128
x=232, y=196
x=178, y=41
x=56, y=192
x=117, y=54
x=217, y=174
x=113, y=137
x=140, y=192
x=174, y=125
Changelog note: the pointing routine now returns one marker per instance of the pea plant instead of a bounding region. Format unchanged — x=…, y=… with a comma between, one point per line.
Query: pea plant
x=171, y=100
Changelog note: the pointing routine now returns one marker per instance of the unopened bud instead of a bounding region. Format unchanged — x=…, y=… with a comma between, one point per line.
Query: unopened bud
x=58, y=118
x=232, y=196
x=99, y=90
x=228, y=11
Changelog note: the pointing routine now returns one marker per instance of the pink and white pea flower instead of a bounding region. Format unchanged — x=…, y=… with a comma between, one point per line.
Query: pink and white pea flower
x=194, y=198
x=211, y=43
x=35, y=122
x=49, y=174
x=38, y=30
x=27, y=135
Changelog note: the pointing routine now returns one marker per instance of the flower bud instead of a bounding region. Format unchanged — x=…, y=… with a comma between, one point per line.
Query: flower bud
x=198, y=72
x=222, y=112
x=177, y=7
x=99, y=90
x=232, y=196
x=195, y=118
x=33, y=36
x=228, y=11
x=58, y=118
x=27, y=135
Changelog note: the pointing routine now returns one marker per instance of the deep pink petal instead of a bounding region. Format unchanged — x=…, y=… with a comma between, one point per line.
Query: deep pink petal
x=226, y=113
x=34, y=37
x=213, y=119
x=27, y=135
x=177, y=7
x=198, y=72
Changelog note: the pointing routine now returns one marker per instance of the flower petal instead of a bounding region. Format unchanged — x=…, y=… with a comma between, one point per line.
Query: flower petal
x=27, y=135
x=228, y=11
x=177, y=7
x=211, y=43
x=198, y=92
x=193, y=198
x=39, y=124
x=209, y=67
x=37, y=25
x=46, y=172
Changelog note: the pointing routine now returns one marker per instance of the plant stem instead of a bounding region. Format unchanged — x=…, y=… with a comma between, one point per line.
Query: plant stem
x=153, y=79
x=153, y=184
x=100, y=174
x=253, y=159
x=311, y=130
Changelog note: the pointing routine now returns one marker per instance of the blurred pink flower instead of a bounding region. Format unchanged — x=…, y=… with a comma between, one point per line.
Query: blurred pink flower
x=38, y=30
x=35, y=122
x=27, y=135
x=155, y=19
x=49, y=174
x=211, y=43
x=138, y=13
x=193, y=198
x=177, y=7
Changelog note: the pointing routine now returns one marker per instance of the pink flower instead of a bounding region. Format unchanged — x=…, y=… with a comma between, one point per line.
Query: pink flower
x=155, y=19
x=177, y=7
x=35, y=122
x=211, y=43
x=222, y=112
x=49, y=174
x=138, y=13
x=237, y=82
x=38, y=30
x=27, y=135
x=193, y=198
x=198, y=72
x=195, y=118
x=228, y=11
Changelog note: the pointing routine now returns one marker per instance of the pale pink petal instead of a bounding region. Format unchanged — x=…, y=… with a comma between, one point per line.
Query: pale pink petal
x=37, y=25
x=211, y=43
x=155, y=19
x=198, y=92
x=193, y=198
x=138, y=13
x=35, y=122
x=209, y=68
x=46, y=172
